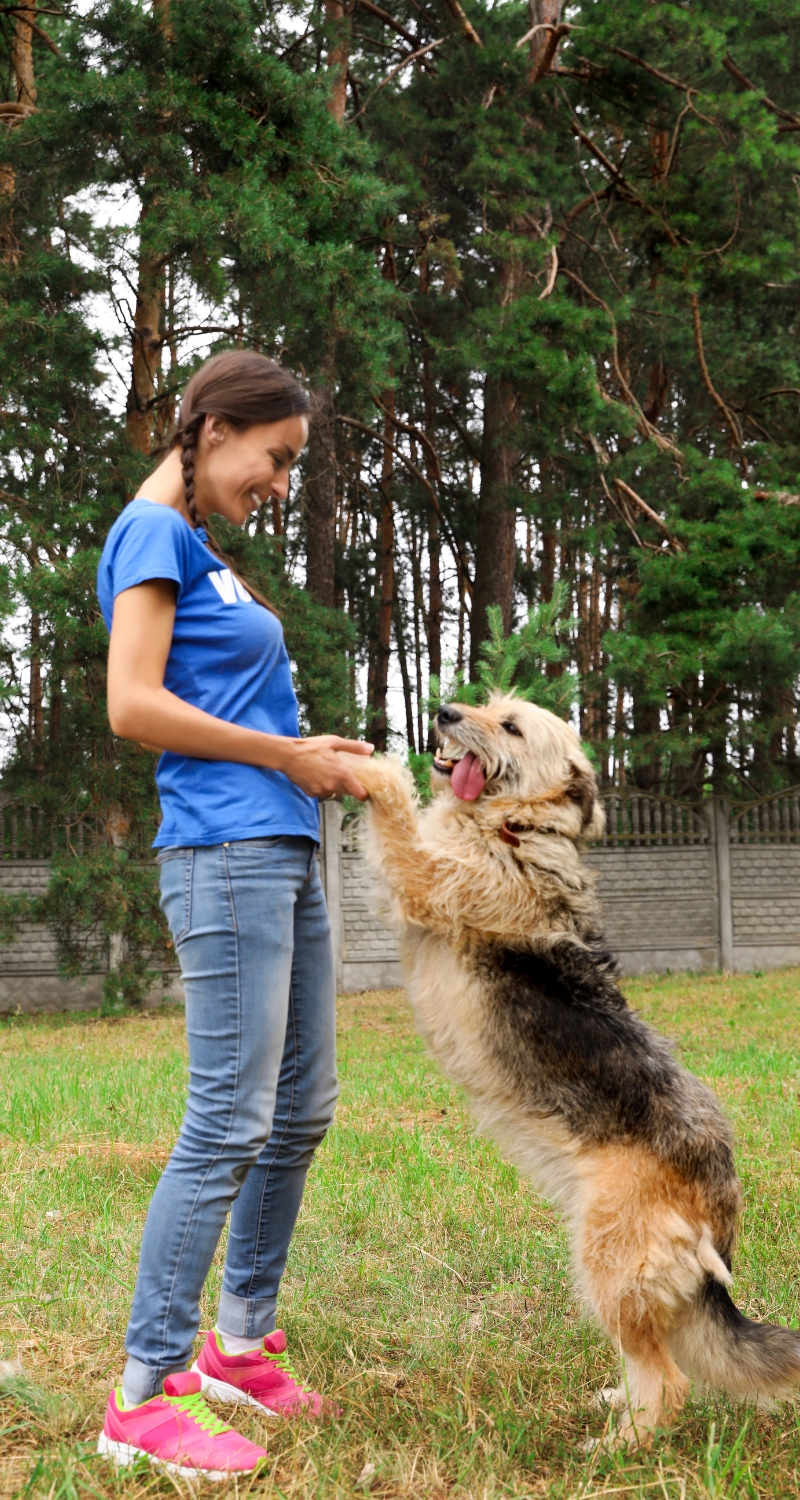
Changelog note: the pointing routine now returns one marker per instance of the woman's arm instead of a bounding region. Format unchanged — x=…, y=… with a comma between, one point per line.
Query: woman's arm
x=140, y=707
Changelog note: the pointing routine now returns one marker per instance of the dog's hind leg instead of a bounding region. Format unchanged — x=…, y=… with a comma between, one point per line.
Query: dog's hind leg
x=639, y=1271
x=653, y=1389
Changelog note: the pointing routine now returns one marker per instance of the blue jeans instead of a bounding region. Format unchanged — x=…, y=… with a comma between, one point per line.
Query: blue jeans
x=251, y=931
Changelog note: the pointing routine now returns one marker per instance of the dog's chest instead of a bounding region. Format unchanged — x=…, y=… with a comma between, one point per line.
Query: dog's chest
x=453, y=1012
x=449, y=1006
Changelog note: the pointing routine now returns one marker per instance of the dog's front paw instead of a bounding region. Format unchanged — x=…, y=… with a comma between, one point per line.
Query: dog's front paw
x=382, y=777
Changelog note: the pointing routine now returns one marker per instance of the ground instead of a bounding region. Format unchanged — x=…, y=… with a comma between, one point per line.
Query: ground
x=428, y=1287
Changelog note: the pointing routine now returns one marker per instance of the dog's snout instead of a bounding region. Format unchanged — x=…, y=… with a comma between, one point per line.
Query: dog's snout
x=448, y=715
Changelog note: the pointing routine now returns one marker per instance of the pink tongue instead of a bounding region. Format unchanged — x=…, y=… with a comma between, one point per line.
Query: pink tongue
x=468, y=780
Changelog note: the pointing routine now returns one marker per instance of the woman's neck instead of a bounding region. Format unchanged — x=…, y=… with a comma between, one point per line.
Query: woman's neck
x=165, y=485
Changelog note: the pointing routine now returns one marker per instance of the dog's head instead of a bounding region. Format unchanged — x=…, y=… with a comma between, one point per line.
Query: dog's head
x=520, y=761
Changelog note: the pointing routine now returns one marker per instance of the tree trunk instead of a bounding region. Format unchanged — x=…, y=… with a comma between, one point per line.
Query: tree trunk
x=495, y=550
x=146, y=340
x=543, y=46
x=22, y=57
x=646, y=773
x=338, y=22
x=548, y=571
x=321, y=492
x=434, y=620
x=379, y=725
x=35, y=707
x=402, y=656
x=25, y=100
x=321, y=467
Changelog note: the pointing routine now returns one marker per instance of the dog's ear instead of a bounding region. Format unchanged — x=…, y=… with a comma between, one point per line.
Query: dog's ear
x=582, y=788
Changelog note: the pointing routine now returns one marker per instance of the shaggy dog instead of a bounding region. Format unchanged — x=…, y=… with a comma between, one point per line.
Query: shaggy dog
x=516, y=997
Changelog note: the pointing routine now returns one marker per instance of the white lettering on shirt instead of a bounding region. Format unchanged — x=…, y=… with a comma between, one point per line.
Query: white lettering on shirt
x=228, y=587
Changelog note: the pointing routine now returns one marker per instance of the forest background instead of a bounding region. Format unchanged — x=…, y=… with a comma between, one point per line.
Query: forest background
x=538, y=266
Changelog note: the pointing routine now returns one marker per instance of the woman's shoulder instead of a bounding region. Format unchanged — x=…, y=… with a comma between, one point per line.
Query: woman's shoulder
x=147, y=541
x=147, y=525
x=150, y=516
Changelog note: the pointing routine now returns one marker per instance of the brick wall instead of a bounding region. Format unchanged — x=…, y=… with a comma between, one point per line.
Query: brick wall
x=765, y=891
x=29, y=977
x=659, y=907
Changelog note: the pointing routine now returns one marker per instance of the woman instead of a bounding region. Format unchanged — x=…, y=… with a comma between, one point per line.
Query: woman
x=198, y=669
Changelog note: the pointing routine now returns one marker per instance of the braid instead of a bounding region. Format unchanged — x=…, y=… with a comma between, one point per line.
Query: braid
x=187, y=437
x=188, y=456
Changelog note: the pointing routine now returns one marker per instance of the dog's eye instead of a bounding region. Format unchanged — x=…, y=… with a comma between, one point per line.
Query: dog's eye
x=511, y=728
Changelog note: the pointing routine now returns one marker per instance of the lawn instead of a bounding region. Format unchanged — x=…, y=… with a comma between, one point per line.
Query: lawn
x=428, y=1287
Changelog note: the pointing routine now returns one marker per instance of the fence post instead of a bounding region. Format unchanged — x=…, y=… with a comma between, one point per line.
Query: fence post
x=722, y=851
x=331, y=855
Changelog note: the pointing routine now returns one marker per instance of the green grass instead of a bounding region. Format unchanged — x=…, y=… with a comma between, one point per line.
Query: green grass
x=428, y=1287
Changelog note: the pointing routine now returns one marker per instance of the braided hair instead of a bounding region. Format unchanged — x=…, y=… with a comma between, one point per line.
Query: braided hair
x=188, y=436
x=245, y=389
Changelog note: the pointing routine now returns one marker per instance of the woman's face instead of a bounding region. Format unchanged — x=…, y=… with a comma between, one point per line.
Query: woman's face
x=239, y=469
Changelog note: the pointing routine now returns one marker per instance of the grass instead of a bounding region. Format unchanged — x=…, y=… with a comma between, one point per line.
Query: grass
x=428, y=1287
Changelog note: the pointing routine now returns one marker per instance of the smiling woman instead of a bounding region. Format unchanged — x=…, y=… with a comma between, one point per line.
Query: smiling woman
x=198, y=669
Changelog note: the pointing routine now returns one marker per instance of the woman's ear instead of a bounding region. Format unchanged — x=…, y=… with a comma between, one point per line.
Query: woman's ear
x=216, y=430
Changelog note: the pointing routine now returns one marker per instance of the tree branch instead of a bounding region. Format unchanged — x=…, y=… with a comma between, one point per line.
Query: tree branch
x=625, y=187
x=646, y=510
x=393, y=72
x=753, y=88
x=466, y=25
x=551, y=274
x=731, y=421
x=383, y=15
x=415, y=432
x=426, y=485
x=674, y=83
x=645, y=427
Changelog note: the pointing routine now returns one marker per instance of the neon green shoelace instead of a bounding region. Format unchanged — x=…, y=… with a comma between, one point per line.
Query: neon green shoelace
x=196, y=1407
x=284, y=1363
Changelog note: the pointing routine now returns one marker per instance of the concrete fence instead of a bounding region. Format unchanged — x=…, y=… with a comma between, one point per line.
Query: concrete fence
x=681, y=886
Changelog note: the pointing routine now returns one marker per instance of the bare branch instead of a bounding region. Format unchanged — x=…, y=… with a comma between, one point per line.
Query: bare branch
x=674, y=83
x=645, y=427
x=562, y=30
x=551, y=274
x=646, y=510
x=466, y=25
x=393, y=72
x=415, y=432
x=731, y=421
x=775, y=109
x=383, y=15
x=626, y=188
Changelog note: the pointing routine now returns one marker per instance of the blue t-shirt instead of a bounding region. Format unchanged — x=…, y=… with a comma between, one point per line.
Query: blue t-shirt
x=227, y=657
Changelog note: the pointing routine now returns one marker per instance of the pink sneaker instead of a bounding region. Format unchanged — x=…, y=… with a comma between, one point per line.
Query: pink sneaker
x=176, y=1431
x=261, y=1377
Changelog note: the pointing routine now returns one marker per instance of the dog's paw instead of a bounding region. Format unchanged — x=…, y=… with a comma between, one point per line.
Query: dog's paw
x=609, y=1397
x=382, y=777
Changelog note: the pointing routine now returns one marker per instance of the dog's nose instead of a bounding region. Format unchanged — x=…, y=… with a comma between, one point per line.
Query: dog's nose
x=448, y=715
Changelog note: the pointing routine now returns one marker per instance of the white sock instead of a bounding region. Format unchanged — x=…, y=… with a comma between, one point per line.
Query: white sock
x=233, y=1343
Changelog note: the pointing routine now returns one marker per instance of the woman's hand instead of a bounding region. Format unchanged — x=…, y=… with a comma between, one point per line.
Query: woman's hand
x=316, y=765
x=140, y=708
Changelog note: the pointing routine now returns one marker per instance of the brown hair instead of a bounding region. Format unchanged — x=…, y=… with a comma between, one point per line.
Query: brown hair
x=245, y=389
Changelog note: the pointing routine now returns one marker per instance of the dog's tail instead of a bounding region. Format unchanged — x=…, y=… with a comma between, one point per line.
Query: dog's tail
x=716, y=1344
